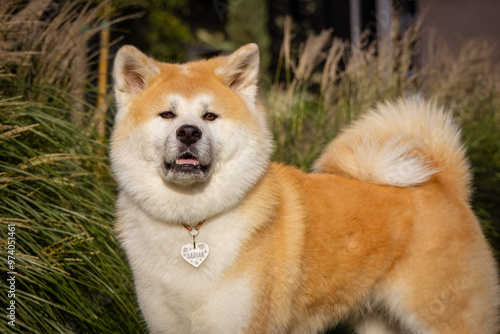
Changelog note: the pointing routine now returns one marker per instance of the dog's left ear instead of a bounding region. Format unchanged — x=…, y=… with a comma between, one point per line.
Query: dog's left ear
x=240, y=71
x=132, y=73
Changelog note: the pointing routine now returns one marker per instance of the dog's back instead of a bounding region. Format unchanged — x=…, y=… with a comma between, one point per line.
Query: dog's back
x=446, y=282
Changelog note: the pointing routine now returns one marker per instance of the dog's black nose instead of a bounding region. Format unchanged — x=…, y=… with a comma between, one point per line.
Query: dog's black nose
x=188, y=134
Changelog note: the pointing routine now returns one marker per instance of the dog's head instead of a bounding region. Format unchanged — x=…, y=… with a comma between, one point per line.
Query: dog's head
x=183, y=132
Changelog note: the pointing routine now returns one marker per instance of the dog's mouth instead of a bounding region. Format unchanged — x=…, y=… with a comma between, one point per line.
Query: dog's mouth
x=187, y=163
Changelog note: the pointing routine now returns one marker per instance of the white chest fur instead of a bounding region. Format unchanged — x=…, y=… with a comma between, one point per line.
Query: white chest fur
x=174, y=296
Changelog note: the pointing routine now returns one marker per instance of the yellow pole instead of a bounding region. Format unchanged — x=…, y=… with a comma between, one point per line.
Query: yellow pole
x=102, y=72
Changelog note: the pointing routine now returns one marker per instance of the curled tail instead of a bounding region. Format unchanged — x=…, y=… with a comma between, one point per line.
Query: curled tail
x=402, y=144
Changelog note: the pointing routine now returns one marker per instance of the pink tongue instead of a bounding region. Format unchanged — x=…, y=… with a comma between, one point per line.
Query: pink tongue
x=187, y=161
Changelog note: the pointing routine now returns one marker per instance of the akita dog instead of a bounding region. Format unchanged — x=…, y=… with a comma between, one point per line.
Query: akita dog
x=221, y=240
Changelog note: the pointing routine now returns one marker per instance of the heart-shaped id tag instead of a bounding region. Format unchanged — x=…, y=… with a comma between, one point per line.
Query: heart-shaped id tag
x=195, y=255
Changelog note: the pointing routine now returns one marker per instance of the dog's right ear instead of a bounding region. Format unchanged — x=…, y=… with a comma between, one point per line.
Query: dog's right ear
x=132, y=73
x=241, y=70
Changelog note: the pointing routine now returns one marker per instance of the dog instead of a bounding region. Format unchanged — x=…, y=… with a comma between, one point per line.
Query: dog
x=222, y=240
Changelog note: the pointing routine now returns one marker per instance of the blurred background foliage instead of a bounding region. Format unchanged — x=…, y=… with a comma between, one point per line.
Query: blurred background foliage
x=55, y=181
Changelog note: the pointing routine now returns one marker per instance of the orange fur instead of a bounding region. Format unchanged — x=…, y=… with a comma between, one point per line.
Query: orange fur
x=382, y=235
x=340, y=247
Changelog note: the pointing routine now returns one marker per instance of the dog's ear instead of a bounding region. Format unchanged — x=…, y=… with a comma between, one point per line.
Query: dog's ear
x=132, y=72
x=240, y=71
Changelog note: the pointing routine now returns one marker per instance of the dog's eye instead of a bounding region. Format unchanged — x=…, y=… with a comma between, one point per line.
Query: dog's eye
x=167, y=114
x=210, y=116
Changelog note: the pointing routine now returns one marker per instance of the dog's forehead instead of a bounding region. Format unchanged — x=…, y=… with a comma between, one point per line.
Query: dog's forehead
x=191, y=89
x=188, y=107
x=189, y=78
x=181, y=85
x=178, y=101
